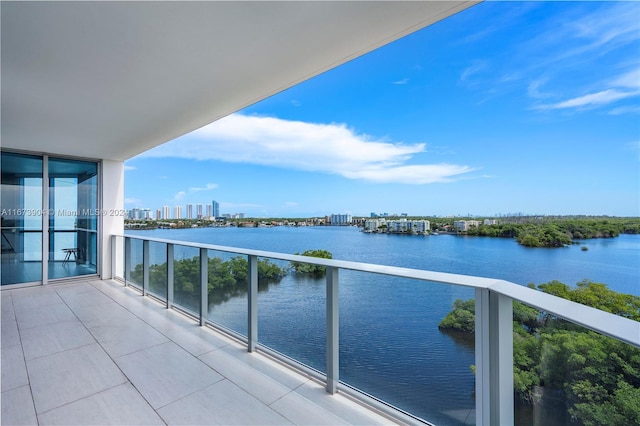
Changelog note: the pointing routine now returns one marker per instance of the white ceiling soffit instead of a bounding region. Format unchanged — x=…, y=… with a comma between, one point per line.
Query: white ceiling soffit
x=114, y=79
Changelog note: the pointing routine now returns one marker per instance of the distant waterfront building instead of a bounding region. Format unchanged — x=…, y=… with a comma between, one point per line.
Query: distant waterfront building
x=189, y=211
x=158, y=214
x=372, y=225
x=177, y=212
x=465, y=225
x=199, y=211
x=166, y=212
x=400, y=226
x=341, y=219
x=216, y=208
x=242, y=215
x=209, y=212
x=373, y=215
x=490, y=222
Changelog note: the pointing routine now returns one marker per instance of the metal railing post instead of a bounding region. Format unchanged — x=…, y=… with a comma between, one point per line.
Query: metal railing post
x=494, y=358
x=501, y=359
x=333, y=337
x=482, y=357
x=169, y=275
x=204, y=285
x=252, y=308
x=114, y=241
x=127, y=261
x=145, y=267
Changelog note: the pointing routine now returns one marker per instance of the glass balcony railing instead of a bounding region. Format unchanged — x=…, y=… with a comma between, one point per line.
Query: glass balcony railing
x=526, y=343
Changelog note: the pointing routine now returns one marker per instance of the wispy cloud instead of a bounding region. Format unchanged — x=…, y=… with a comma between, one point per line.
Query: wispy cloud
x=628, y=109
x=592, y=99
x=401, y=82
x=329, y=148
x=534, y=89
x=207, y=187
x=129, y=168
x=624, y=86
x=179, y=196
x=477, y=67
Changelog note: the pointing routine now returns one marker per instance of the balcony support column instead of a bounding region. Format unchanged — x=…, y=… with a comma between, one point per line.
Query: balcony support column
x=204, y=285
x=145, y=267
x=494, y=358
x=252, y=300
x=333, y=337
x=169, y=276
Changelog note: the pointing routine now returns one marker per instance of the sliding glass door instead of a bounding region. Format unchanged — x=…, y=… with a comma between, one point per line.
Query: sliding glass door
x=73, y=231
x=21, y=205
x=49, y=218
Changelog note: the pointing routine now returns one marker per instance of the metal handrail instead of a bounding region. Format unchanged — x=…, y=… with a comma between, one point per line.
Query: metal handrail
x=615, y=326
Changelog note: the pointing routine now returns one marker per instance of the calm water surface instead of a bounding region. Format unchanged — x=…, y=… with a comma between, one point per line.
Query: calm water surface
x=390, y=345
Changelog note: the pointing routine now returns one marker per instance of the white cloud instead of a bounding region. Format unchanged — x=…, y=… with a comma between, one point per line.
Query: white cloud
x=592, y=99
x=624, y=86
x=475, y=68
x=630, y=80
x=179, y=196
x=291, y=204
x=207, y=187
x=128, y=168
x=534, y=89
x=629, y=109
x=133, y=201
x=401, y=82
x=329, y=148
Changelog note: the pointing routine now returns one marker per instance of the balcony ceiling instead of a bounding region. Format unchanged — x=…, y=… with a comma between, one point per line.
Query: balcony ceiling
x=114, y=79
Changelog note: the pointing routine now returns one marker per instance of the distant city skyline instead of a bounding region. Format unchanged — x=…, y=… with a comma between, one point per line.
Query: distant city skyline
x=529, y=107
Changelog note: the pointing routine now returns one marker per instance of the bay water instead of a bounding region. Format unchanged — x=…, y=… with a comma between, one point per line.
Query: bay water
x=390, y=344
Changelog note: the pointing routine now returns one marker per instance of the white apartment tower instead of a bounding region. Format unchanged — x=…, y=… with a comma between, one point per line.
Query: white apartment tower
x=166, y=212
x=177, y=212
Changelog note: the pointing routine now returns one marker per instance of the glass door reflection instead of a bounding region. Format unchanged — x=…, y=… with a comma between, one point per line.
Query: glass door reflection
x=21, y=205
x=73, y=239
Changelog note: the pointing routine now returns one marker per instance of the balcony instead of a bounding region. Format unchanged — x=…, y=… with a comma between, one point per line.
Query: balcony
x=95, y=352
x=73, y=352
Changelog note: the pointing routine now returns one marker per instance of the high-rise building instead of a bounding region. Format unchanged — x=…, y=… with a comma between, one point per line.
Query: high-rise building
x=158, y=214
x=216, y=208
x=166, y=212
x=199, y=211
x=209, y=211
x=177, y=212
x=189, y=211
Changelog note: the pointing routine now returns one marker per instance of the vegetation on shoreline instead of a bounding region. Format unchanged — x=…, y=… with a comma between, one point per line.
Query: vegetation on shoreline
x=597, y=376
x=225, y=278
x=309, y=269
x=558, y=232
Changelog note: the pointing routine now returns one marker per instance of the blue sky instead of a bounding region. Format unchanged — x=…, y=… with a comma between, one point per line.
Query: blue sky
x=506, y=107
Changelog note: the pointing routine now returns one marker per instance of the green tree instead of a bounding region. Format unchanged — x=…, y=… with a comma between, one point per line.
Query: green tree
x=317, y=271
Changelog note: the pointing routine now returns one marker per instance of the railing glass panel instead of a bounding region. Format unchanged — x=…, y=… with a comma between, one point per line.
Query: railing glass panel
x=391, y=346
x=227, y=293
x=567, y=374
x=186, y=276
x=158, y=270
x=135, y=256
x=292, y=315
x=117, y=262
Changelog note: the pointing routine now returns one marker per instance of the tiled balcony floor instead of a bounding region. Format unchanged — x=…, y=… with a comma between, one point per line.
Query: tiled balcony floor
x=95, y=352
